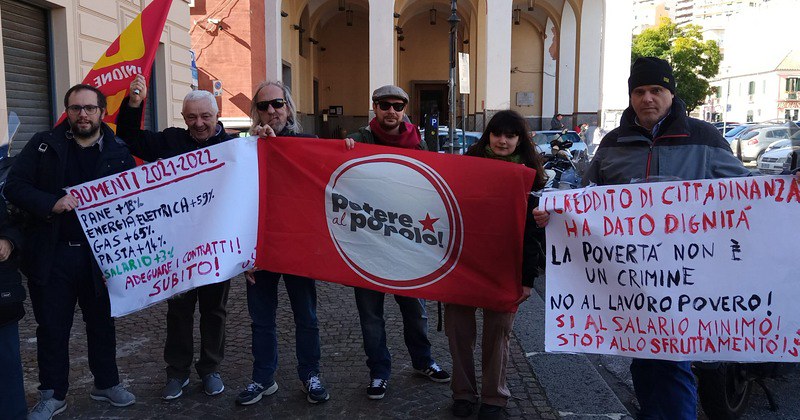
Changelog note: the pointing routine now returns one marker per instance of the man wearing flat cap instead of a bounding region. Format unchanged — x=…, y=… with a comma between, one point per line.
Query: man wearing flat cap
x=388, y=128
x=657, y=141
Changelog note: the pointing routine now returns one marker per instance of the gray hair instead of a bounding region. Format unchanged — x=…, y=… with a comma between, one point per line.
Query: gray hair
x=291, y=119
x=200, y=95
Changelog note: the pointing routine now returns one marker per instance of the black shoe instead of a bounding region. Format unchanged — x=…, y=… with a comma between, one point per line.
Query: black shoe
x=434, y=373
x=490, y=412
x=462, y=408
x=376, y=388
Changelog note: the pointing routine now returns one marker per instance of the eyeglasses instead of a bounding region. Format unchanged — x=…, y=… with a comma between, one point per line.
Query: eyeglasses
x=76, y=109
x=398, y=106
x=276, y=104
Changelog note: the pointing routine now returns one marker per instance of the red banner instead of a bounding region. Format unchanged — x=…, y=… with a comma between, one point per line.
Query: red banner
x=130, y=54
x=413, y=223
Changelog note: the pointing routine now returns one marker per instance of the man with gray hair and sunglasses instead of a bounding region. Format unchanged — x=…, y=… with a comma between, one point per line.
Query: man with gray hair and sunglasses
x=273, y=113
x=200, y=112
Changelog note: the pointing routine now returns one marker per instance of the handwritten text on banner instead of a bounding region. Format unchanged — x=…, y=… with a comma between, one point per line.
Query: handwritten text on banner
x=174, y=224
x=695, y=270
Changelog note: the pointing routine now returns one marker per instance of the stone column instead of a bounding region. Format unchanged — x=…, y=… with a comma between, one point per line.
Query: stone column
x=381, y=46
x=588, y=93
x=616, y=61
x=272, y=39
x=566, y=65
x=498, y=57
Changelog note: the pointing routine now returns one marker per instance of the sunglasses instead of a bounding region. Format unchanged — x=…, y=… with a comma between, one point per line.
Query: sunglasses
x=398, y=106
x=76, y=109
x=276, y=104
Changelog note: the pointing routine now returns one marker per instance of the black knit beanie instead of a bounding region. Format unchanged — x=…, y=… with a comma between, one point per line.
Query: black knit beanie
x=651, y=71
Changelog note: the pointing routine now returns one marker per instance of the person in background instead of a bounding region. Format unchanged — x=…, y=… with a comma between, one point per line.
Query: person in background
x=505, y=139
x=12, y=294
x=273, y=113
x=556, y=123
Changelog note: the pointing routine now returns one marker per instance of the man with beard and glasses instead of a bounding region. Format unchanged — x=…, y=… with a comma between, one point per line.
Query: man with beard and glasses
x=200, y=112
x=59, y=266
x=389, y=129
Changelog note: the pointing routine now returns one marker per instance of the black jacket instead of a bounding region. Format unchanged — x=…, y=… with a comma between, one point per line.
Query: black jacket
x=11, y=291
x=37, y=181
x=151, y=146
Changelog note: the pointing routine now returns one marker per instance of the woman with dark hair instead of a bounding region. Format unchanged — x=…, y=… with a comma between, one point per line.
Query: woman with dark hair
x=506, y=138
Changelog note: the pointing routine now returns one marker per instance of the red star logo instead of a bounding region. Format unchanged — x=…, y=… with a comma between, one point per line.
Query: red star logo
x=427, y=223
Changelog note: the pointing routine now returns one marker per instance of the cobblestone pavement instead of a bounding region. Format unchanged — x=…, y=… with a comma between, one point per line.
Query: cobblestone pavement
x=140, y=341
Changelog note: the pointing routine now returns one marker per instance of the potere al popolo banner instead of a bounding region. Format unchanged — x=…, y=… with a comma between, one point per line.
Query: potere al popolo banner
x=695, y=270
x=400, y=221
x=174, y=224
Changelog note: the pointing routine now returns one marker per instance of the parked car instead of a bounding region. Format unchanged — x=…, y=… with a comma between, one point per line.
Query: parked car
x=778, y=161
x=754, y=142
x=724, y=127
x=543, y=138
x=465, y=139
x=738, y=130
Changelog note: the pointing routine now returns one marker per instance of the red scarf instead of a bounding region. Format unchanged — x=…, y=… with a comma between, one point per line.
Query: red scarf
x=408, y=138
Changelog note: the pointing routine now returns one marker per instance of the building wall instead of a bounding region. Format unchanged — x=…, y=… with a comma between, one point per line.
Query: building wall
x=762, y=104
x=344, y=65
x=240, y=64
x=82, y=31
x=526, y=67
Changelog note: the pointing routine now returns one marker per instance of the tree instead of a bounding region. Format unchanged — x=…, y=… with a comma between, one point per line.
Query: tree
x=693, y=60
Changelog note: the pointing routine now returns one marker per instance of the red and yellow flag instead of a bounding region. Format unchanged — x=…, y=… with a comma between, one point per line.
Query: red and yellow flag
x=130, y=54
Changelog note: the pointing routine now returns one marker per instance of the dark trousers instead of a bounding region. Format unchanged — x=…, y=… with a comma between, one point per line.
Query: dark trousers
x=53, y=304
x=12, y=392
x=373, y=329
x=179, y=348
x=666, y=390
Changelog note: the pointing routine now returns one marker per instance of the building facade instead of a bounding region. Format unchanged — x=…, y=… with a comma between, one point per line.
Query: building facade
x=759, y=73
x=50, y=45
x=538, y=57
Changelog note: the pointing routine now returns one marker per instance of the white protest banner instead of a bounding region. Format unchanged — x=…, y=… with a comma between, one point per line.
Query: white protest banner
x=695, y=270
x=172, y=225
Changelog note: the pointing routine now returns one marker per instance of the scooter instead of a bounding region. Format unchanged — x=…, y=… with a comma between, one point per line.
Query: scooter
x=724, y=388
x=564, y=171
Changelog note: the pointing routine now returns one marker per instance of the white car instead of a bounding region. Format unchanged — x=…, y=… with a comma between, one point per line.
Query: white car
x=778, y=160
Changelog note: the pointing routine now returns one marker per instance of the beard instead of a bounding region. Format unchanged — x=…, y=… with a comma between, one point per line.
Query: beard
x=84, y=132
x=388, y=126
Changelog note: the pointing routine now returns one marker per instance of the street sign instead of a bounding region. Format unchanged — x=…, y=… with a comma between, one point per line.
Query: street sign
x=217, y=87
x=193, y=68
x=463, y=73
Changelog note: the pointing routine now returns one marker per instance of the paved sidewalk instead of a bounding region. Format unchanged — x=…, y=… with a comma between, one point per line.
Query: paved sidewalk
x=140, y=341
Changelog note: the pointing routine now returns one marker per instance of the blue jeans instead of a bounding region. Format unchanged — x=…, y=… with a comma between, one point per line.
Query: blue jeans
x=373, y=328
x=12, y=392
x=666, y=390
x=262, y=303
